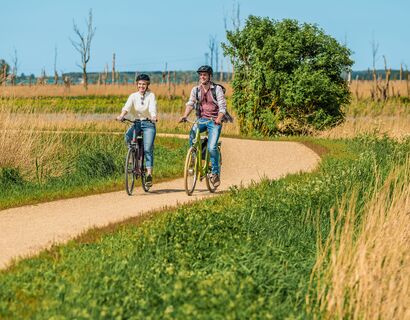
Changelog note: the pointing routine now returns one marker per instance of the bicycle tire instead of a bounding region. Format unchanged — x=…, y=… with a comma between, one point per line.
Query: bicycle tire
x=211, y=188
x=190, y=171
x=129, y=171
x=141, y=164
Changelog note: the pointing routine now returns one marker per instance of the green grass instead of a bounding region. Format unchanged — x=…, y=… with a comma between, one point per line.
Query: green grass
x=83, y=104
x=246, y=254
x=86, y=164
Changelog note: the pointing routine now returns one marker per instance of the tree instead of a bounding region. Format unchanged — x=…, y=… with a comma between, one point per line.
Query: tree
x=83, y=46
x=4, y=71
x=287, y=77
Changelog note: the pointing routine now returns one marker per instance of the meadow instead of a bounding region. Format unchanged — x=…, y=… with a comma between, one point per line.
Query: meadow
x=263, y=252
x=328, y=244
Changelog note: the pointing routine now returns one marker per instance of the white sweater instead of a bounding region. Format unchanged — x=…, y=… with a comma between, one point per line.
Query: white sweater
x=141, y=107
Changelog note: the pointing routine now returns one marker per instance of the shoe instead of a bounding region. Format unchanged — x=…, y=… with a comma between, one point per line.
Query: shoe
x=148, y=181
x=216, y=181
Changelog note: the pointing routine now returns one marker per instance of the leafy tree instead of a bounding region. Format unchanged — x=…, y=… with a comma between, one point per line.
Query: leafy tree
x=287, y=77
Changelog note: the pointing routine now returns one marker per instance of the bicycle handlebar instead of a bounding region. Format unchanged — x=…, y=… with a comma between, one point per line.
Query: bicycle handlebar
x=134, y=121
x=196, y=121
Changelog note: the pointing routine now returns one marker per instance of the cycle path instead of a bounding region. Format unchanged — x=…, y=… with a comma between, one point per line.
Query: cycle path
x=25, y=231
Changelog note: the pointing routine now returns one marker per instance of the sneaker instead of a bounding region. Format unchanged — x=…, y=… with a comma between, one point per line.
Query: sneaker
x=216, y=181
x=148, y=181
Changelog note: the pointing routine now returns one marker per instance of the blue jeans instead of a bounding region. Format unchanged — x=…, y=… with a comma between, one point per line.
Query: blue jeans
x=149, y=130
x=214, y=131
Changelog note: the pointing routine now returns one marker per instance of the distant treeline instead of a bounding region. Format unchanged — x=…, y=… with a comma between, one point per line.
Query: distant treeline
x=368, y=74
x=127, y=77
x=180, y=76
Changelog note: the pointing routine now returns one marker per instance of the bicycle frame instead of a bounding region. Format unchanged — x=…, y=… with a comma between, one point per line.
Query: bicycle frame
x=134, y=162
x=202, y=165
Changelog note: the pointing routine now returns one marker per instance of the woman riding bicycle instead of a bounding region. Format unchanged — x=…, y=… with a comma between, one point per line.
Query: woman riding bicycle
x=142, y=105
x=210, y=110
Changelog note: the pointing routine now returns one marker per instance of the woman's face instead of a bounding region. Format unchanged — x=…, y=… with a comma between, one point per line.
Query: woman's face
x=142, y=86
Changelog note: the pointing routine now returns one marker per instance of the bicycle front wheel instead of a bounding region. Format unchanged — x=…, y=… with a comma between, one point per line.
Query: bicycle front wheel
x=210, y=186
x=190, y=171
x=130, y=171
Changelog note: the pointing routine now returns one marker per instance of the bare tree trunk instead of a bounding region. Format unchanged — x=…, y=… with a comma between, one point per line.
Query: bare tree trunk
x=221, y=74
x=401, y=72
x=113, y=69
x=83, y=46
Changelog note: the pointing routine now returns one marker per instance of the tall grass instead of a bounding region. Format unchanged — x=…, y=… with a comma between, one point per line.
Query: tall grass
x=390, y=118
x=363, y=271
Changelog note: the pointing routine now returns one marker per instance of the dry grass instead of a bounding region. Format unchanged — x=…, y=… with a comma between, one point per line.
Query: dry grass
x=23, y=146
x=180, y=90
x=363, y=271
x=361, y=89
x=391, y=118
x=392, y=126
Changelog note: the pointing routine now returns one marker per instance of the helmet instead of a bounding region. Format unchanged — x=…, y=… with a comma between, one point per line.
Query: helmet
x=143, y=77
x=207, y=69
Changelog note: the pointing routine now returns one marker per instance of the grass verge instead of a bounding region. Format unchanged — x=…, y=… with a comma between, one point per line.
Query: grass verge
x=246, y=254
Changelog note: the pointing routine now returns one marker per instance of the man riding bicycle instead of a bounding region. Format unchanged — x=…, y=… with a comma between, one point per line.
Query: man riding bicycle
x=210, y=111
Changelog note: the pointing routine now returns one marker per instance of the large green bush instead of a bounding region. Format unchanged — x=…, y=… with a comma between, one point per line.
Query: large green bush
x=288, y=77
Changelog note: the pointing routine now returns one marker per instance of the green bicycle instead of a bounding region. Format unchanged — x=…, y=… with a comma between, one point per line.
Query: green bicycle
x=197, y=162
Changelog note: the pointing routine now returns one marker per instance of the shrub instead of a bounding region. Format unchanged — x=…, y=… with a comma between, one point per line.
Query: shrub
x=288, y=77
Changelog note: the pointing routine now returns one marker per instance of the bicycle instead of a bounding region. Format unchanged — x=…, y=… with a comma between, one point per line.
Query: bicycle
x=134, y=161
x=197, y=162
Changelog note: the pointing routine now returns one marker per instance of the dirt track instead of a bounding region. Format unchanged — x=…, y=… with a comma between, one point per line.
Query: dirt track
x=25, y=231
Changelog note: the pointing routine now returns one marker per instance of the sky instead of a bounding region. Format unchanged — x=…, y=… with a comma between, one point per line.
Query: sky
x=148, y=35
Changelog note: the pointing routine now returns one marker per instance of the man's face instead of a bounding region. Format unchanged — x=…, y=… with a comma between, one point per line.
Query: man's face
x=204, y=77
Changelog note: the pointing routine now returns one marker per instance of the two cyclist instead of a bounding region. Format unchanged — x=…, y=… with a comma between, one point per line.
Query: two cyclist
x=208, y=100
x=142, y=105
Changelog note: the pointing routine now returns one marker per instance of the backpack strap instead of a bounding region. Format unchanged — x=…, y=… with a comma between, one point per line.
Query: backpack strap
x=213, y=90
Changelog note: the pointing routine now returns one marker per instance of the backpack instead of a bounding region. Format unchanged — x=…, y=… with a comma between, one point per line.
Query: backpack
x=227, y=117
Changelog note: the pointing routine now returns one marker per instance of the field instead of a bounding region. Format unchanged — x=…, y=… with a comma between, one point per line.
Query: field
x=328, y=244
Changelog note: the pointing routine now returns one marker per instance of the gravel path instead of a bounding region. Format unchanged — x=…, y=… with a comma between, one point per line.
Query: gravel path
x=24, y=231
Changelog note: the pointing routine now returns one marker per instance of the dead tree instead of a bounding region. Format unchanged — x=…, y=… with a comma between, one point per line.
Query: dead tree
x=55, y=66
x=42, y=79
x=4, y=71
x=83, y=46
x=211, y=46
x=113, y=69
x=15, y=66
x=385, y=85
x=375, y=49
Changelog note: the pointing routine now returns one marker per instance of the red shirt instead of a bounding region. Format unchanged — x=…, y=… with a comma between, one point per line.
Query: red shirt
x=208, y=108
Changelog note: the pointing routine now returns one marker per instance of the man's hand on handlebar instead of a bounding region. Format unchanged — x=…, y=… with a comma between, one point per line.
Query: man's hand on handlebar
x=182, y=119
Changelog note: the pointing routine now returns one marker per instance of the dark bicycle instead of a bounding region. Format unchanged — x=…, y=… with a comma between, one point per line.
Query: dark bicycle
x=134, y=162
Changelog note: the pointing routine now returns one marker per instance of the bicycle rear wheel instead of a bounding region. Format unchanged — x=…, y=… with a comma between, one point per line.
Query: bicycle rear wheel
x=190, y=171
x=130, y=171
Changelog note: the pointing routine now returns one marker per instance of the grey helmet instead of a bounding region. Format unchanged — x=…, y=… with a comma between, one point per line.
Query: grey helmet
x=206, y=68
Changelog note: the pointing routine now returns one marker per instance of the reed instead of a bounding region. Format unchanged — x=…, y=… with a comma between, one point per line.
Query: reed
x=363, y=270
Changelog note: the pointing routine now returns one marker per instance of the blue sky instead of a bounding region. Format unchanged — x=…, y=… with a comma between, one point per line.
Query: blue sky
x=147, y=34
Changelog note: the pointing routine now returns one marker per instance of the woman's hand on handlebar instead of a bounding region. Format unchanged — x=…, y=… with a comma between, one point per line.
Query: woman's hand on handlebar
x=120, y=118
x=182, y=119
